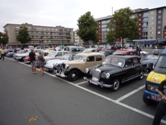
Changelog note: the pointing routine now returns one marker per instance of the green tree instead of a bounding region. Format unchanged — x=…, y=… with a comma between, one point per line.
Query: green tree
x=109, y=38
x=3, y=38
x=124, y=25
x=23, y=35
x=87, y=28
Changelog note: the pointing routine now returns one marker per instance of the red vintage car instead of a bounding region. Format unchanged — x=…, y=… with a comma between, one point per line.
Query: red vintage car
x=125, y=52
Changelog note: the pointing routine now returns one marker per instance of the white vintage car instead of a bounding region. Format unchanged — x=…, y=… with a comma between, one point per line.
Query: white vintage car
x=49, y=66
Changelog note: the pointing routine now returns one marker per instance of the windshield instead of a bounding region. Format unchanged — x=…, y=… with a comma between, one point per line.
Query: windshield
x=90, y=50
x=148, y=57
x=51, y=54
x=161, y=65
x=117, y=61
x=66, y=57
x=77, y=49
x=81, y=58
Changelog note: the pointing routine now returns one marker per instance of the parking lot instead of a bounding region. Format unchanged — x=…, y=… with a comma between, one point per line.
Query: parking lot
x=129, y=95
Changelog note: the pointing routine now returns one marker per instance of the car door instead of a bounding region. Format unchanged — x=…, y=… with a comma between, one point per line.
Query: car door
x=90, y=61
x=137, y=66
x=129, y=67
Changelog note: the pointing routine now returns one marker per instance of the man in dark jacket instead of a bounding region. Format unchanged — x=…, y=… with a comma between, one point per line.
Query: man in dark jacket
x=33, y=60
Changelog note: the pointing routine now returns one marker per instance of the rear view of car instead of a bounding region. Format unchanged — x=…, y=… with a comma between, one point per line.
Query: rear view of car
x=153, y=80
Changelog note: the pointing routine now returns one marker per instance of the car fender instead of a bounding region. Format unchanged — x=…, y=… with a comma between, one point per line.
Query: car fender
x=72, y=68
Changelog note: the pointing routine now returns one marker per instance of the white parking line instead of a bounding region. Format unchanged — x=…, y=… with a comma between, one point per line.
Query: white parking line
x=130, y=93
x=105, y=97
x=81, y=83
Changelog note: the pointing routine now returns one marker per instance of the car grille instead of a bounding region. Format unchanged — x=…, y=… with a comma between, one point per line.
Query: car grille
x=96, y=73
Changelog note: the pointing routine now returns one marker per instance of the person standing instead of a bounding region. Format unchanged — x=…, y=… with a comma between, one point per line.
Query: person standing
x=161, y=108
x=41, y=61
x=2, y=54
x=33, y=60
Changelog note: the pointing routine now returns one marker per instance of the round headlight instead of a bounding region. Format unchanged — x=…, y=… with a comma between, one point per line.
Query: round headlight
x=66, y=66
x=107, y=75
x=86, y=70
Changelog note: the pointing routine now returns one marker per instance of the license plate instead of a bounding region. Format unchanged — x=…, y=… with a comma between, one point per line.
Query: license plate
x=93, y=82
x=95, y=79
x=155, y=98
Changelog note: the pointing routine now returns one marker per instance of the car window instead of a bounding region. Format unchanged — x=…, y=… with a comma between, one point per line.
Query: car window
x=64, y=53
x=59, y=54
x=128, y=63
x=135, y=61
x=66, y=49
x=90, y=59
x=98, y=58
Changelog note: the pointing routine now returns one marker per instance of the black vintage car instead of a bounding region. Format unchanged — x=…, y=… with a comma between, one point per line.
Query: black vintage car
x=114, y=71
x=149, y=61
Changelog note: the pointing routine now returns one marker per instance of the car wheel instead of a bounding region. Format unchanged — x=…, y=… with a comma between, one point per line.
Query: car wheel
x=147, y=101
x=73, y=75
x=116, y=84
x=141, y=75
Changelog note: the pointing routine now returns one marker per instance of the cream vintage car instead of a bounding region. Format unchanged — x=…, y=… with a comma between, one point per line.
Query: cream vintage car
x=76, y=68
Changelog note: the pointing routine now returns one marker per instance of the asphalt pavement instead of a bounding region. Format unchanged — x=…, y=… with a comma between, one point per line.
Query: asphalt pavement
x=27, y=98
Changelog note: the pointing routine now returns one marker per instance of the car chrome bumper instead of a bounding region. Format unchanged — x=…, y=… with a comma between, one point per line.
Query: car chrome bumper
x=60, y=74
x=102, y=84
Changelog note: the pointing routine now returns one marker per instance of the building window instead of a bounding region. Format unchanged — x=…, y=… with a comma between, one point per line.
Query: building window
x=139, y=24
x=152, y=23
x=159, y=27
x=139, y=28
x=145, y=14
x=151, y=32
x=139, y=14
x=151, y=37
x=152, y=12
x=159, y=21
x=158, y=32
x=159, y=11
x=159, y=16
x=152, y=18
x=151, y=28
x=139, y=19
x=165, y=32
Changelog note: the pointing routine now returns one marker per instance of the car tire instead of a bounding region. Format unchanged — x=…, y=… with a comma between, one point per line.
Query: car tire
x=141, y=75
x=73, y=75
x=147, y=101
x=116, y=84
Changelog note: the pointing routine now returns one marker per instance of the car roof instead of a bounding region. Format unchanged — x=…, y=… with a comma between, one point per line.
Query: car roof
x=90, y=54
x=124, y=57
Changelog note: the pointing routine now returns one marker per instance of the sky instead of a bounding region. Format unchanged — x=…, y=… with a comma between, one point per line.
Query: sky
x=64, y=12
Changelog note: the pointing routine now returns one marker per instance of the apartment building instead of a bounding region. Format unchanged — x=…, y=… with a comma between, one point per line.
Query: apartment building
x=40, y=35
x=102, y=27
x=151, y=22
x=77, y=39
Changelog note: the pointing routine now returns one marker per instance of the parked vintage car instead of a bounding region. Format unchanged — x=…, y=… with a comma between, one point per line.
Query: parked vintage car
x=76, y=68
x=125, y=52
x=114, y=71
x=10, y=53
x=149, y=61
x=107, y=52
x=55, y=55
x=73, y=49
x=21, y=55
x=89, y=50
x=49, y=66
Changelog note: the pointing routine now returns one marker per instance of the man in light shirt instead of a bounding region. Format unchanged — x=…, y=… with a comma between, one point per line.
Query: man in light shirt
x=2, y=53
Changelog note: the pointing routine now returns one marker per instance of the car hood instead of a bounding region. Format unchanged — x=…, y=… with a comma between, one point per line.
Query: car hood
x=55, y=61
x=22, y=54
x=109, y=68
x=148, y=61
x=156, y=77
x=75, y=63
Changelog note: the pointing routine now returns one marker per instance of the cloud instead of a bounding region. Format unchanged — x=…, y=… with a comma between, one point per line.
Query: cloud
x=63, y=12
